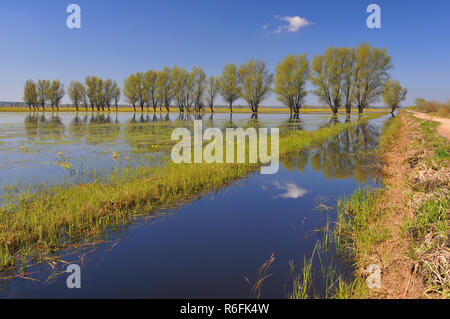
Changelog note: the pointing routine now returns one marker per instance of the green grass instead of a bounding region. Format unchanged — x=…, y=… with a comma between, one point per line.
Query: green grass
x=47, y=218
x=320, y=279
x=358, y=226
x=432, y=216
x=389, y=132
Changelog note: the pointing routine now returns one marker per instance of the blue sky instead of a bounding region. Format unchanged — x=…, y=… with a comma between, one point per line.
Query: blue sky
x=122, y=37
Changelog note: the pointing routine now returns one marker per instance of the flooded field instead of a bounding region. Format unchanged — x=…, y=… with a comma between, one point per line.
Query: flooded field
x=212, y=246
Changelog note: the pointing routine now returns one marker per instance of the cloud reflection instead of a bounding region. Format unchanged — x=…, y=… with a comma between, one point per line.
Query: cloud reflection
x=292, y=191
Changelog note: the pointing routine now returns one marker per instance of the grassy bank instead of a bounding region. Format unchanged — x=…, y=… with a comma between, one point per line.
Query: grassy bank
x=50, y=218
x=403, y=228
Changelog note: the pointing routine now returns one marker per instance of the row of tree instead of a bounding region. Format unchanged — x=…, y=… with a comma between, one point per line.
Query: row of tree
x=94, y=93
x=342, y=77
x=36, y=95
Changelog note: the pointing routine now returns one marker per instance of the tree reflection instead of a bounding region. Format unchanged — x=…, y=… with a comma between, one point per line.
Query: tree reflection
x=102, y=128
x=346, y=155
x=78, y=126
x=38, y=126
x=148, y=134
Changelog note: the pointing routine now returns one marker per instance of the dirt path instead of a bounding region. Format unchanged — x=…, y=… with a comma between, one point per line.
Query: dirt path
x=399, y=281
x=443, y=129
x=405, y=163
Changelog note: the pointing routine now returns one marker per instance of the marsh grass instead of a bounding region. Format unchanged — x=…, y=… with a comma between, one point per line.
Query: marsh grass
x=47, y=218
x=358, y=227
x=321, y=278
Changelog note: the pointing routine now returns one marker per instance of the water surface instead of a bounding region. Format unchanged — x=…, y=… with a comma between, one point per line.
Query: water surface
x=213, y=246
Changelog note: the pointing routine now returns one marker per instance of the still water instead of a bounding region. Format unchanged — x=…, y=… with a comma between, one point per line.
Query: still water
x=211, y=247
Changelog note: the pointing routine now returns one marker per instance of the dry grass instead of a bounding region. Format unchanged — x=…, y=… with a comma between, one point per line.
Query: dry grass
x=433, y=107
x=413, y=209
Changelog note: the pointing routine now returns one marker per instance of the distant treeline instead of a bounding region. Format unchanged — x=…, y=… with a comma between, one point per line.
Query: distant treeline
x=342, y=77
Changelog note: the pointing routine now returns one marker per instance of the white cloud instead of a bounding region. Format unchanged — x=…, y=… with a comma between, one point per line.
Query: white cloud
x=293, y=24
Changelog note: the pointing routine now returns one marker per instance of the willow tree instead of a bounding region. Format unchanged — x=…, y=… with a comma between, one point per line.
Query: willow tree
x=30, y=94
x=150, y=94
x=116, y=95
x=370, y=75
x=108, y=93
x=348, y=56
x=140, y=86
x=76, y=93
x=182, y=89
x=43, y=92
x=85, y=99
x=328, y=77
x=100, y=94
x=165, y=88
x=130, y=90
x=56, y=94
x=290, y=80
x=256, y=82
x=199, y=83
x=394, y=94
x=212, y=90
x=230, y=88
x=188, y=90
x=92, y=84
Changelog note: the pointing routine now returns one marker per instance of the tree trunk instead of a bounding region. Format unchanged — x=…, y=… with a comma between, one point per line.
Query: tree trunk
x=348, y=109
x=231, y=107
x=361, y=109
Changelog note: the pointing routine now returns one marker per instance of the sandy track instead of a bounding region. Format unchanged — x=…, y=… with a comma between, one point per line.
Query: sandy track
x=443, y=129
